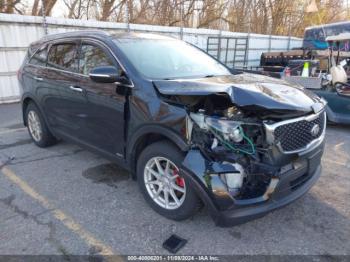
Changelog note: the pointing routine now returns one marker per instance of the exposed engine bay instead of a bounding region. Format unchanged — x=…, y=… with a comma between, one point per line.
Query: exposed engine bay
x=226, y=134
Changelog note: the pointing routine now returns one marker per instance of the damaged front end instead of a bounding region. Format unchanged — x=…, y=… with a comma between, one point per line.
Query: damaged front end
x=250, y=159
x=228, y=150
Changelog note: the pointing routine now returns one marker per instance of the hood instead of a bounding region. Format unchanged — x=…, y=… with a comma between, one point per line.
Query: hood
x=249, y=91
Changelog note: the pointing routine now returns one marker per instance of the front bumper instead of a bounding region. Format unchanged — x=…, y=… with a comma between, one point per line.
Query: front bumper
x=242, y=215
x=226, y=211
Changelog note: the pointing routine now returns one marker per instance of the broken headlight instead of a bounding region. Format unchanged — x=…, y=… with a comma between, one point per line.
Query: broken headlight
x=229, y=129
x=228, y=133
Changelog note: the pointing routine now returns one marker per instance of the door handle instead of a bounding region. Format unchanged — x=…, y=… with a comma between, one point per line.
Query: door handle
x=76, y=88
x=38, y=78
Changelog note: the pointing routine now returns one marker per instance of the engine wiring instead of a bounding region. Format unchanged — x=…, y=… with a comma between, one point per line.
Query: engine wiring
x=236, y=148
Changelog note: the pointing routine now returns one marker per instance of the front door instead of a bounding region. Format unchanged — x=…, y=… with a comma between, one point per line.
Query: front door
x=103, y=124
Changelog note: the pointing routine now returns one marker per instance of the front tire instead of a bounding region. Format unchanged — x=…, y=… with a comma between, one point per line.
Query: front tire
x=161, y=183
x=37, y=127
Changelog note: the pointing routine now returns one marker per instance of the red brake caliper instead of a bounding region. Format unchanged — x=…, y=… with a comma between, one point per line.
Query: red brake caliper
x=179, y=180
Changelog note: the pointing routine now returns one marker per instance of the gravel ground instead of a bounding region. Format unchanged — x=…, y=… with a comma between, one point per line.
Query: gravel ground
x=66, y=200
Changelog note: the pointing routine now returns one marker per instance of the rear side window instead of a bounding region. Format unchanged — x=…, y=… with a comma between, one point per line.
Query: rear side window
x=92, y=56
x=64, y=57
x=39, y=58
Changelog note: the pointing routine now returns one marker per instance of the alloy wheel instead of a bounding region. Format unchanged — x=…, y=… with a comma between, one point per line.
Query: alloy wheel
x=34, y=126
x=163, y=183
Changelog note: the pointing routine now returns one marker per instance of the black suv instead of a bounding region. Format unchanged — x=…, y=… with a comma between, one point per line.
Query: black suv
x=190, y=130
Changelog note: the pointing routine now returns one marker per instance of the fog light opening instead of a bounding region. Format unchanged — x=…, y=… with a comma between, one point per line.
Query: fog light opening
x=234, y=181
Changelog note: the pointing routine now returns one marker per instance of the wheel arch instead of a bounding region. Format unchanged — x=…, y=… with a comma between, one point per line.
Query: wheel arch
x=26, y=100
x=147, y=135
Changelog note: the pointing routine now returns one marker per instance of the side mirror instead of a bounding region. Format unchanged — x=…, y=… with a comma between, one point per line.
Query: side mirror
x=104, y=74
x=108, y=74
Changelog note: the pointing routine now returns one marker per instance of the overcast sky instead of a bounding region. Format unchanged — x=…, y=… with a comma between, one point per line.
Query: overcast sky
x=60, y=9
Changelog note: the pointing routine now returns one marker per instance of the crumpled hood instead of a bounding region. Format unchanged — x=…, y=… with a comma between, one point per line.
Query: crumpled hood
x=246, y=90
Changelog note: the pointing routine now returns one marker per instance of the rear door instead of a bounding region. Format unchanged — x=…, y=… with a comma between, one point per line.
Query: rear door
x=104, y=109
x=33, y=72
x=64, y=104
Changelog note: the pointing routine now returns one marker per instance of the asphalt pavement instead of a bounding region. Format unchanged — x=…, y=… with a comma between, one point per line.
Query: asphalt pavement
x=65, y=200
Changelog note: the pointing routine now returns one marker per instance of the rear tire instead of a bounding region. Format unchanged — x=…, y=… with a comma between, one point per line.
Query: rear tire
x=170, y=182
x=37, y=127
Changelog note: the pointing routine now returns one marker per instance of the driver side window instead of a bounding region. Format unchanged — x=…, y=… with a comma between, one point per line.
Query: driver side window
x=92, y=56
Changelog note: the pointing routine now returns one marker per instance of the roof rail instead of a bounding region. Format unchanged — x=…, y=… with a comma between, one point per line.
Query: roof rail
x=75, y=33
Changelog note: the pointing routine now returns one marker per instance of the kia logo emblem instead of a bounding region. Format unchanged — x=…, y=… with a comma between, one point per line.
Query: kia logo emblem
x=315, y=130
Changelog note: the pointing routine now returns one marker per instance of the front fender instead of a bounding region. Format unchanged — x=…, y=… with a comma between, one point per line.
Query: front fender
x=206, y=173
x=152, y=129
x=24, y=98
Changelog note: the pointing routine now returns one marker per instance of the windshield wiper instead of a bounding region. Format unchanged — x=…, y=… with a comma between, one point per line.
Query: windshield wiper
x=171, y=78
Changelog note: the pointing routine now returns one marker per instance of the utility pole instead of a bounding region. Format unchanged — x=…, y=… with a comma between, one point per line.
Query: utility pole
x=127, y=18
x=43, y=13
x=182, y=10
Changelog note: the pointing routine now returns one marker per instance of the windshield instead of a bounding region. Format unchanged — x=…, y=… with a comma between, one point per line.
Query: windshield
x=169, y=59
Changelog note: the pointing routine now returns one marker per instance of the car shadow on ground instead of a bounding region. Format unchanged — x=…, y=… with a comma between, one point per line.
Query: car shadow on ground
x=339, y=127
x=307, y=226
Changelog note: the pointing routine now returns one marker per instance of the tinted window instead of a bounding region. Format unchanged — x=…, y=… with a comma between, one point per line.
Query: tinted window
x=92, y=56
x=39, y=58
x=308, y=35
x=164, y=59
x=318, y=34
x=314, y=38
x=63, y=56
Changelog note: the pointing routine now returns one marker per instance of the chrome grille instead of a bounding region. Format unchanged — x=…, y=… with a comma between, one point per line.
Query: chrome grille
x=296, y=135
